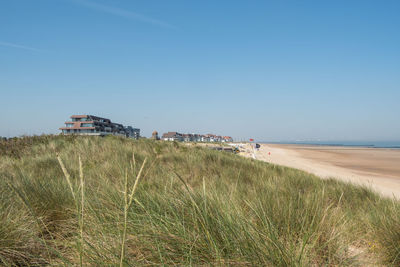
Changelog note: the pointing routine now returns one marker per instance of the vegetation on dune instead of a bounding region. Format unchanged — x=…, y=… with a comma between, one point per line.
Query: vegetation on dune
x=188, y=205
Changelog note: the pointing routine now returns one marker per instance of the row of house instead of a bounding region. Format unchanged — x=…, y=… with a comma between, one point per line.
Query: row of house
x=93, y=125
x=175, y=136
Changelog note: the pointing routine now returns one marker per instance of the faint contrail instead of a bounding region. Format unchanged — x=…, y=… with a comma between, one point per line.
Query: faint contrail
x=19, y=46
x=123, y=13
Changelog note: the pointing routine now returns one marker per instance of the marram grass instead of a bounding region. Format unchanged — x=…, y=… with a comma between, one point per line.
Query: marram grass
x=68, y=200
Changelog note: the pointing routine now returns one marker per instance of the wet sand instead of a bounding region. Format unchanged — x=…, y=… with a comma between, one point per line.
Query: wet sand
x=374, y=167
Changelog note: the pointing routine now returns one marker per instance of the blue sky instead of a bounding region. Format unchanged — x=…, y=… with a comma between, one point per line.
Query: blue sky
x=271, y=70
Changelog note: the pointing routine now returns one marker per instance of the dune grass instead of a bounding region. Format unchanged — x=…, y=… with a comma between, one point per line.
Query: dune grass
x=98, y=205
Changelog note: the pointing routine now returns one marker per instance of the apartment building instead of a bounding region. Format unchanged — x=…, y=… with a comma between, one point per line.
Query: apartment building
x=93, y=125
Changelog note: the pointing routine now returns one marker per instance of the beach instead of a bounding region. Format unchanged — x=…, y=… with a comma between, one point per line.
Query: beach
x=377, y=168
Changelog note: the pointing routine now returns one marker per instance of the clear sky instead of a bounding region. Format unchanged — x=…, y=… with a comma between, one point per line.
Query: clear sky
x=271, y=70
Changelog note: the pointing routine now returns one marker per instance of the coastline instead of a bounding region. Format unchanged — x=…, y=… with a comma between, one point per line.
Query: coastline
x=377, y=168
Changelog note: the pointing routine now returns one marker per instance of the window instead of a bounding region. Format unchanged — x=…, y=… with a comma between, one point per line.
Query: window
x=86, y=124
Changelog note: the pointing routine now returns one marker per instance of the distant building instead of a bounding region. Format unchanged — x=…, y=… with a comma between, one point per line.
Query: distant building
x=132, y=132
x=172, y=136
x=227, y=139
x=93, y=125
x=155, y=136
x=197, y=137
x=188, y=137
x=205, y=138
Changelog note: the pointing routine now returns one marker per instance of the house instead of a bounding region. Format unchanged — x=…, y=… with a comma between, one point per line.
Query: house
x=227, y=139
x=210, y=138
x=172, y=136
x=204, y=138
x=188, y=137
x=196, y=137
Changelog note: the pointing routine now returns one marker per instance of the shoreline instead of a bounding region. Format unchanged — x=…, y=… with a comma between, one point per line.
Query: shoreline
x=377, y=168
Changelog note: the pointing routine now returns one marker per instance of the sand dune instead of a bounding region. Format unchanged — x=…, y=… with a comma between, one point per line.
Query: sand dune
x=377, y=168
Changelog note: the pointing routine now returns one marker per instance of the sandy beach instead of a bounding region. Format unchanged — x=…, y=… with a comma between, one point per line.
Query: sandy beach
x=374, y=167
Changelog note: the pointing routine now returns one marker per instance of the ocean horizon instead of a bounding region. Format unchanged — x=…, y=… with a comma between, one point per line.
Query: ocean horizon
x=369, y=144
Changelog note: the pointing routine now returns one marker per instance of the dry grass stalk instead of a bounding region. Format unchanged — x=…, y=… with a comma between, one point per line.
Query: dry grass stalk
x=82, y=208
x=66, y=174
x=128, y=202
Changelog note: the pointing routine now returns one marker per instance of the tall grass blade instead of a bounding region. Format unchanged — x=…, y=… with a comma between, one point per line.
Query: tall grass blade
x=82, y=211
x=128, y=203
x=67, y=176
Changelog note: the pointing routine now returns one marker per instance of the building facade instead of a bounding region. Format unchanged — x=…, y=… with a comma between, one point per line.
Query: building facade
x=93, y=125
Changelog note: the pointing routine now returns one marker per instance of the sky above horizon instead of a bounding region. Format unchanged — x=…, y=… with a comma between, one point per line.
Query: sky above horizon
x=269, y=70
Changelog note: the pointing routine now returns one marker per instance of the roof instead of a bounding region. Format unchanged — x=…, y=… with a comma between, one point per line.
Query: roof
x=91, y=116
x=78, y=122
x=170, y=134
x=77, y=128
x=78, y=116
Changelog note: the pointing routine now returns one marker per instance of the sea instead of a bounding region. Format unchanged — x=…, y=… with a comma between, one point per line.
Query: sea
x=370, y=144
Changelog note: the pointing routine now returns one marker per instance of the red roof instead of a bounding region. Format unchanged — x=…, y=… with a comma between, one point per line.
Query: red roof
x=77, y=128
x=78, y=116
x=170, y=134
